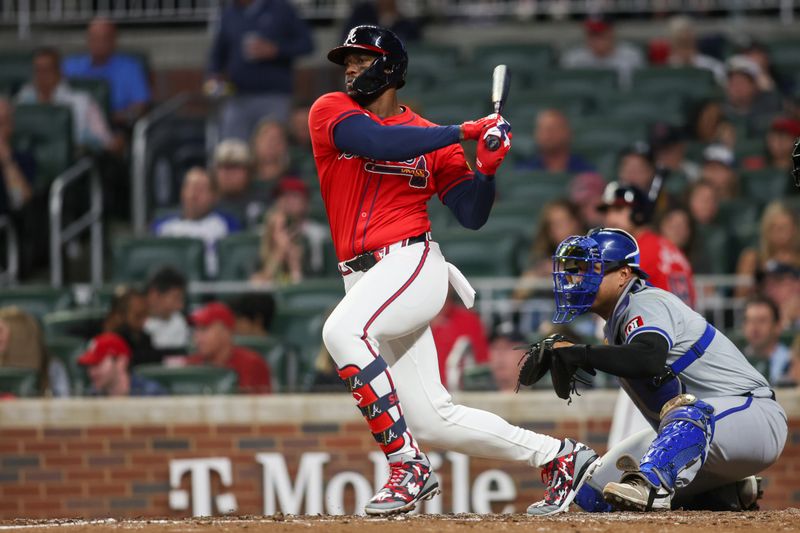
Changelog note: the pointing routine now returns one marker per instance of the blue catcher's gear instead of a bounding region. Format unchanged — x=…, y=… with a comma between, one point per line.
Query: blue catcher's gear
x=389, y=67
x=579, y=264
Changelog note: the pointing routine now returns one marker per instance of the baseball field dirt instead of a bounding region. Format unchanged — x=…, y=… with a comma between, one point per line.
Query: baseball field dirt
x=766, y=521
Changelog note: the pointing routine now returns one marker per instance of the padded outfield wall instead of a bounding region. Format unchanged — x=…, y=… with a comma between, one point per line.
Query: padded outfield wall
x=183, y=456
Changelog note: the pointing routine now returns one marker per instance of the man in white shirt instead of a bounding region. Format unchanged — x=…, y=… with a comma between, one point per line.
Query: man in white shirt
x=166, y=294
x=762, y=330
x=684, y=52
x=602, y=51
x=198, y=219
x=89, y=126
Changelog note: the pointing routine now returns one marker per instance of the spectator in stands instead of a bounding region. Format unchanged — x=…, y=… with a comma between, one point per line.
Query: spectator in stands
x=602, y=50
x=291, y=243
x=770, y=79
x=127, y=80
x=780, y=282
x=762, y=331
x=460, y=341
x=233, y=166
x=703, y=203
x=719, y=170
x=299, y=134
x=107, y=360
x=746, y=103
x=198, y=218
x=553, y=137
x=386, y=14
x=793, y=378
x=326, y=377
x=131, y=306
x=684, y=51
x=254, y=313
x=213, y=336
x=669, y=151
x=271, y=151
x=636, y=166
x=166, y=325
x=254, y=48
x=778, y=242
x=89, y=127
x=677, y=226
x=558, y=220
x=22, y=342
x=708, y=125
x=586, y=192
x=628, y=208
x=504, y=358
x=17, y=168
x=779, y=145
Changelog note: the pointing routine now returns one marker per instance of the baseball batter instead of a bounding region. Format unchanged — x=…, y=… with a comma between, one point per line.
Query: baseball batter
x=378, y=164
x=715, y=420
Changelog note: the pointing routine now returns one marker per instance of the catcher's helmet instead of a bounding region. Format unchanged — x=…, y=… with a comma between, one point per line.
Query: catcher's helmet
x=616, y=195
x=388, y=69
x=579, y=264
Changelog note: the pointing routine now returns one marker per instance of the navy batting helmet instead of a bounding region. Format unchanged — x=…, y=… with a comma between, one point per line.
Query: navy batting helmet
x=616, y=195
x=579, y=264
x=388, y=69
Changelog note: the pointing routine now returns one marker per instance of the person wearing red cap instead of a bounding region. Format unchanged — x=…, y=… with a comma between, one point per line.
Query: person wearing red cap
x=106, y=361
x=291, y=243
x=213, y=336
x=603, y=51
x=780, y=141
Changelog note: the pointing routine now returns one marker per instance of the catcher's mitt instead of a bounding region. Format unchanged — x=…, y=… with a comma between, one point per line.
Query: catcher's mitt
x=536, y=362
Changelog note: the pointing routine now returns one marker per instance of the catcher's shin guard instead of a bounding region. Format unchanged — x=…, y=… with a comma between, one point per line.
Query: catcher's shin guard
x=383, y=413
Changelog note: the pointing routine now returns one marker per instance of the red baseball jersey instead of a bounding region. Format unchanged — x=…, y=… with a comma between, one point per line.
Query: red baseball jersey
x=666, y=265
x=372, y=204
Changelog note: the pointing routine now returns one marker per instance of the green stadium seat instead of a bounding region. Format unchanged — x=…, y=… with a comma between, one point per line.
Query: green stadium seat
x=740, y=217
x=455, y=112
x=523, y=106
x=135, y=259
x=524, y=60
x=20, y=382
x=301, y=329
x=98, y=89
x=431, y=61
x=67, y=350
x=282, y=362
x=238, y=256
x=690, y=82
x=783, y=50
x=749, y=148
x=312, y=294
x=764, y=185
x=36, y=300
x=717, y=246
x=191, y=379
x=481, y=253
x=45, y=131
x=82, y=323
x=513, y=218
x=580, y=81
x=16, y=68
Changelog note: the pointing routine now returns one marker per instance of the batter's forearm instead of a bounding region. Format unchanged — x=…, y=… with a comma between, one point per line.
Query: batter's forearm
x=471, y=201
x=362, y=136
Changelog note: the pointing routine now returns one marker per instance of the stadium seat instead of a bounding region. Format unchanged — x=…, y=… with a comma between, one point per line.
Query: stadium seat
x=67, y=350
x=716, y=242
x=191, y=379
x=15, y=70
x=313, y=294
x=82, y=323
x=238, y=256
x=302, y=330
x=98, y=89
x=578, y=81
x=764, y=185
x=432, y=61
x=46, y=131
x=783, y=50
x=481, y=253
x=740, y=217
x=36, y=300
x=524, y=60
x=281, y=360
x=524, y=105
x=513, y=218
x=20, y=382
x=135, y=259
x=691, y=82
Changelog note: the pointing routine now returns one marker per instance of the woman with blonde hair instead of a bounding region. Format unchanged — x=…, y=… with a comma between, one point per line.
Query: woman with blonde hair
x=22, y=343
x=779, y=242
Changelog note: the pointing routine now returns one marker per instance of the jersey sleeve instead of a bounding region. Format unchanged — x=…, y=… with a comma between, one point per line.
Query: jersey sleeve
x=450, y=169
x=649, y=313
x=325, y=114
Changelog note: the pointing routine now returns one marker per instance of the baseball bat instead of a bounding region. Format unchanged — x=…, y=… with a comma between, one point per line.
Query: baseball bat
x=501, y=79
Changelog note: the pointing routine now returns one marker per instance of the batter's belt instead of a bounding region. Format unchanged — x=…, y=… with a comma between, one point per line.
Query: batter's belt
x=367, y=260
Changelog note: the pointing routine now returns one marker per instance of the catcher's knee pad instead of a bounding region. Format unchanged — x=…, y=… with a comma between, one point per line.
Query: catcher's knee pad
x=679, y=449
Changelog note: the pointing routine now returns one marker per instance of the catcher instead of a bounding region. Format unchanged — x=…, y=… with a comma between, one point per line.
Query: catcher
x=715, y=420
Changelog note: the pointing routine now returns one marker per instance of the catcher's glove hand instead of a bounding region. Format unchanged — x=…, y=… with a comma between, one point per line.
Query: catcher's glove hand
x=796, y=162
x=535, y=363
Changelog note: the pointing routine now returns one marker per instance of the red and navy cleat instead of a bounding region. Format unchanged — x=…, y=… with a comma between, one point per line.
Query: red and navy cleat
x=564, y=476
x=411, y=480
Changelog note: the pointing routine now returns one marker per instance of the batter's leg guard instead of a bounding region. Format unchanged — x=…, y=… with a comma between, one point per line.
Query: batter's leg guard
x=673, y=459
x=389, y=431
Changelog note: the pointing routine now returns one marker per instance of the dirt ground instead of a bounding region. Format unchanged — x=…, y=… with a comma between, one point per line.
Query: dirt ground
x=766, y=521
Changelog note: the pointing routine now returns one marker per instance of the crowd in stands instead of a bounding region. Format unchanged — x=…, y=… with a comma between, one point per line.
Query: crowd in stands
x=706, y=193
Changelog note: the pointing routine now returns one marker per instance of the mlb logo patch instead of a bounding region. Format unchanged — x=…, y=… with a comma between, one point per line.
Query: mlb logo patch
x=634, y=323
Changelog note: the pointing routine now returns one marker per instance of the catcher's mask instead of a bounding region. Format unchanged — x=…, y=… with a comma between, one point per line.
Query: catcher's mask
x=579, y=264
